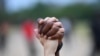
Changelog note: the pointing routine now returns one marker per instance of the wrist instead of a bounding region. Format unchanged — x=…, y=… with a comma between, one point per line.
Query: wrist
x=50, y=47
x=48, y=53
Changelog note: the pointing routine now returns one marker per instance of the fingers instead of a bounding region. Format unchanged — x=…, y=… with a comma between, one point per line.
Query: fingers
x=46, y=24
x=50, y=27
x=47, y=18
x=41, y=23
x=47, y=27
x=54, y=29
x=58, y=24
x=62, y=30
x=51, y=19
x=58, y=35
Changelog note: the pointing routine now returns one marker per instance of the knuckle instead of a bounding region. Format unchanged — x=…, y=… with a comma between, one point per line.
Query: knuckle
x=47, y=18
x=58, y=24
x=61, y=30
x=54, y=26
x=54, y=17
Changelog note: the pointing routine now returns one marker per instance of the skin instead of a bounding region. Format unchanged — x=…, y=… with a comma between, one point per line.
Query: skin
x=50, y=33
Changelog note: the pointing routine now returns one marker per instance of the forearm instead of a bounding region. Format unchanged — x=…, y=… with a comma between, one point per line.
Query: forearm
x=49, y=52
x=50, y=48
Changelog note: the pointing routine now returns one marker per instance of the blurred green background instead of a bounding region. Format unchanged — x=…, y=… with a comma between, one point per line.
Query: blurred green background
x=75, y=11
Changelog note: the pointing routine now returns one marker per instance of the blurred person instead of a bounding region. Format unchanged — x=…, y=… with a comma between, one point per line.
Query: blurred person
x=3, y=35
x=95, y=26
x=50, y=33
x=28, y=29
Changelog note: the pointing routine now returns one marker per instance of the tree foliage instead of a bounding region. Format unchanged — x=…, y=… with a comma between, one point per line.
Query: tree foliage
x=76, y=11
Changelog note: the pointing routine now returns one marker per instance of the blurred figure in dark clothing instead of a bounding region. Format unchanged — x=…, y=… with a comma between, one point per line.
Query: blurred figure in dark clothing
x=3, y=32
x=3, y=35
x=96, y=32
